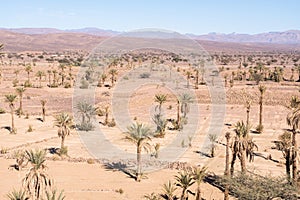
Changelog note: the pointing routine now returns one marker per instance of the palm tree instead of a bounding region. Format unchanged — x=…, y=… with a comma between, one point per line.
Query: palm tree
x=64, y=122
x=285, y=145
x=140, y=135
x=213, y=139
x=262, y=90
x=168, y=191
x=49, y=72
x=40, y=74
x=86, y=110
x=17, y=195
x=37, y=181
x=293, y=120
x=198, y=175
x=239, y=146
x=43, y=103
x=113, y=73
x=52, y=195
x=184, y=181
x=185, y=100
x=197, y=79
x=188, y=76
x=20, y=91
x=16, y=72
x=248, y=108
x=11, y=98
x=227, y=173
x=28, y=69
x=54, y=77
x=160, y=99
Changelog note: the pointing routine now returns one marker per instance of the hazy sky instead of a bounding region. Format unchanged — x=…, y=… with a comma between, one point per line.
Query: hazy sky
x=185, y=16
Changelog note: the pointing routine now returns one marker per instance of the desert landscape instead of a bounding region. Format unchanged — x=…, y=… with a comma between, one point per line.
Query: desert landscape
x=152, y=114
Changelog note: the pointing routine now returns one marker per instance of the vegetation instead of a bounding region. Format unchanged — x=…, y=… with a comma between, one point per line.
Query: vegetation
x=140, y=135
x=11, y=98
x=64, y=122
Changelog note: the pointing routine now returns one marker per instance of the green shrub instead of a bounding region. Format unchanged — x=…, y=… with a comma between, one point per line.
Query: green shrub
x=2, y=111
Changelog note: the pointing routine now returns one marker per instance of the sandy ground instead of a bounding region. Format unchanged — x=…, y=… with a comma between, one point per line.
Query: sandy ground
x=93, y=181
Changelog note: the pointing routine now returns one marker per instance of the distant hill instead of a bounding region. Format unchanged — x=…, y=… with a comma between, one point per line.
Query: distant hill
x=286, y=37
x=48, y=39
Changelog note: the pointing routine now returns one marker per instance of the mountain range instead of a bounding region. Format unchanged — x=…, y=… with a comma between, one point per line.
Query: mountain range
x=285, y=37
x=50, y=39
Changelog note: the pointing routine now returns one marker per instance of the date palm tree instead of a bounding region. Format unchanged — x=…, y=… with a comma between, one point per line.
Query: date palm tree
x=160, y=99
x=293, y=120
x=113, y=73
x=43, y=103
x=53, y=195
x=18, y=195
x=140, y=135
x=184, y=180
x=262, y=90
x=227, y=172
x=198, y=175
x=64, y=122
x=168, y=191
x=285, y=145
x=49, y=72
x=28, y=70
x=188, y=76
x=40, y=74
x=11, y=98
x=243, y=147
x=20, y=91
x=37, y=181
x=185, y=101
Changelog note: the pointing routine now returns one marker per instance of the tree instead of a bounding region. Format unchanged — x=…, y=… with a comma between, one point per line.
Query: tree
x=160, y=99
x=197, y=79
x=293, y=120
x=285, y=145
x=64, y=122
x=49, y=72
x=227, y=172
x=37, y=181
x=140, y=135
x=17, y=195
x=113, y=73
x=86, y=111
x=188, y=76
x=242, y=146
x=11, y=98
x=185, y=100
x=28, y=69
x=52, y=195
x=248, y=108
x=161, y=124
x=198, y=175
x=213, y=139
x=168, y=191
x=262, y=90
x=40, y=74
x=184, y=180
x=20, y=91
x=43, y=103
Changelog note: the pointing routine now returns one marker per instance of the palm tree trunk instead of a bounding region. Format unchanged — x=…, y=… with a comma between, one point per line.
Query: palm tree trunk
x=12, y=120
x=40, y=82
x=294, y=157
x=243, y=162
x=247, y=120
x=138, y=161
x=288, y=165
x=28, y=77
x=21, y=106
x=226, y=173
x=232, y=164
x=198, y=195
x=178, y=113
x=44, y=114
x=183, y=195
x=260, y=112
x=197, y=79
x=62, y=145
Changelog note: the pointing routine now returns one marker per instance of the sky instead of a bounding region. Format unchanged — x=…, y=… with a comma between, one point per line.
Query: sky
x=183, y=16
